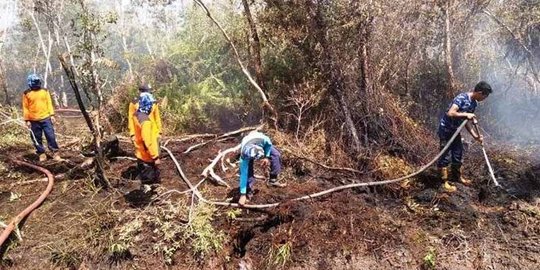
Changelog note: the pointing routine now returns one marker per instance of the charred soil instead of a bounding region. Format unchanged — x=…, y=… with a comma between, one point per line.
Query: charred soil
x=140, y=227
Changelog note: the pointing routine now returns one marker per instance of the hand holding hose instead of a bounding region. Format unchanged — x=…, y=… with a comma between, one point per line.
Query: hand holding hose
x=479, y=137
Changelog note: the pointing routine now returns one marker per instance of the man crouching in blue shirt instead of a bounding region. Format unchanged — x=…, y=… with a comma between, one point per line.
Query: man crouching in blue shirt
x=257, y=146
x=461, y=108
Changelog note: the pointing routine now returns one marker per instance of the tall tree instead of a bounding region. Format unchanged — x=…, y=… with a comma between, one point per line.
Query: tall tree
x=255, y=45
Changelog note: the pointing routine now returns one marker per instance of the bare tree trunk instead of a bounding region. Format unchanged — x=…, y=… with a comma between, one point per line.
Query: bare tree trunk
x=3, y=79
x=149, y=49
x=335, y=78
x=123, y=35
x=266, y=104
x=255, y=44
x=364, y=31
x=126, y=56
x=93, y=126
x=448, y=50
x=366, y=92
x=46, y=49
x=3, y=84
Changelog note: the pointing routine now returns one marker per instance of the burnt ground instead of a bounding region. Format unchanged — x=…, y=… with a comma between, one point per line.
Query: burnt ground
x=390, y=227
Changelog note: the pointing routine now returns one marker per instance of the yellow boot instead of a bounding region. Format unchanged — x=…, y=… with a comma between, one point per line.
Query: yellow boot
x=444, y=177
x=457, y=172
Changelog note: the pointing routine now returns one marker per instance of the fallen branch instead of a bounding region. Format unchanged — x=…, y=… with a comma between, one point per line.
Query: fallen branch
x=191, y=137
x=253, y=219
x=210, y=168
x=203, y=144
x=238, y=131
x=84, y=165
x=126, y=158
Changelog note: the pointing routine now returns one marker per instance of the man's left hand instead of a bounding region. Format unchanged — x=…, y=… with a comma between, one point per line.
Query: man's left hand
x=53, y=120
x=265, y=163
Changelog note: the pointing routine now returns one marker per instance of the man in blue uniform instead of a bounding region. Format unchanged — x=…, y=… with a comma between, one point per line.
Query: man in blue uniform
x=461, y=108
x=257, y=146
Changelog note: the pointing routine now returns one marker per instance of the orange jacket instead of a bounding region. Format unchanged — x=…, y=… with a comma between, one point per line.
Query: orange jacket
x=145, y=138
x=37, y=105
x=154, y=116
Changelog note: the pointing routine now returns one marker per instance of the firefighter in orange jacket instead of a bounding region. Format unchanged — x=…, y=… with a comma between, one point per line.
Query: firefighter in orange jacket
x=38, y=113
x=154, y=113
x=145, y=139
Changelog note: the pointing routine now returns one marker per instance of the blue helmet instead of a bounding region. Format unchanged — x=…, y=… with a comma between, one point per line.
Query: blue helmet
x=34, y=81
x=146, y=100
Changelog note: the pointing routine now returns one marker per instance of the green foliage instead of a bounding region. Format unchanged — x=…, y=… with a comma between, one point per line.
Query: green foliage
x=171, y=233
x=430, y=259
x=233, y=213
x=120, y=248
x=196, y=106
x=13, y=135
x=279, y=255
x=206, y=83
x=64, y=257
x=204, y=237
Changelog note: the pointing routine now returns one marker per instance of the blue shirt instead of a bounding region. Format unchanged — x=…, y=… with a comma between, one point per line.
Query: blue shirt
x=465, y=104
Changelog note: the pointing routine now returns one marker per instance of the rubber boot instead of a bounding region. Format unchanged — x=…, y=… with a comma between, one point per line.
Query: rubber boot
x=274, y=182
x=444, y=177
x=457, y=173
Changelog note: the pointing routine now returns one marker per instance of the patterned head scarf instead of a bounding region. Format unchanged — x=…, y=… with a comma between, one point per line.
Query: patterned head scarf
x=255, y=152
x=146, y=100
x=34, y=81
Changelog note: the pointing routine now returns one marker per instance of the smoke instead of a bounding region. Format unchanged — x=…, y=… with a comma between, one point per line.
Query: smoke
x=512, y=112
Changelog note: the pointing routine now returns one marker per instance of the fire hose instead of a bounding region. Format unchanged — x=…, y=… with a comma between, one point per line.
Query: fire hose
x=490, y=169
x=321, y=193
x=15, y=221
